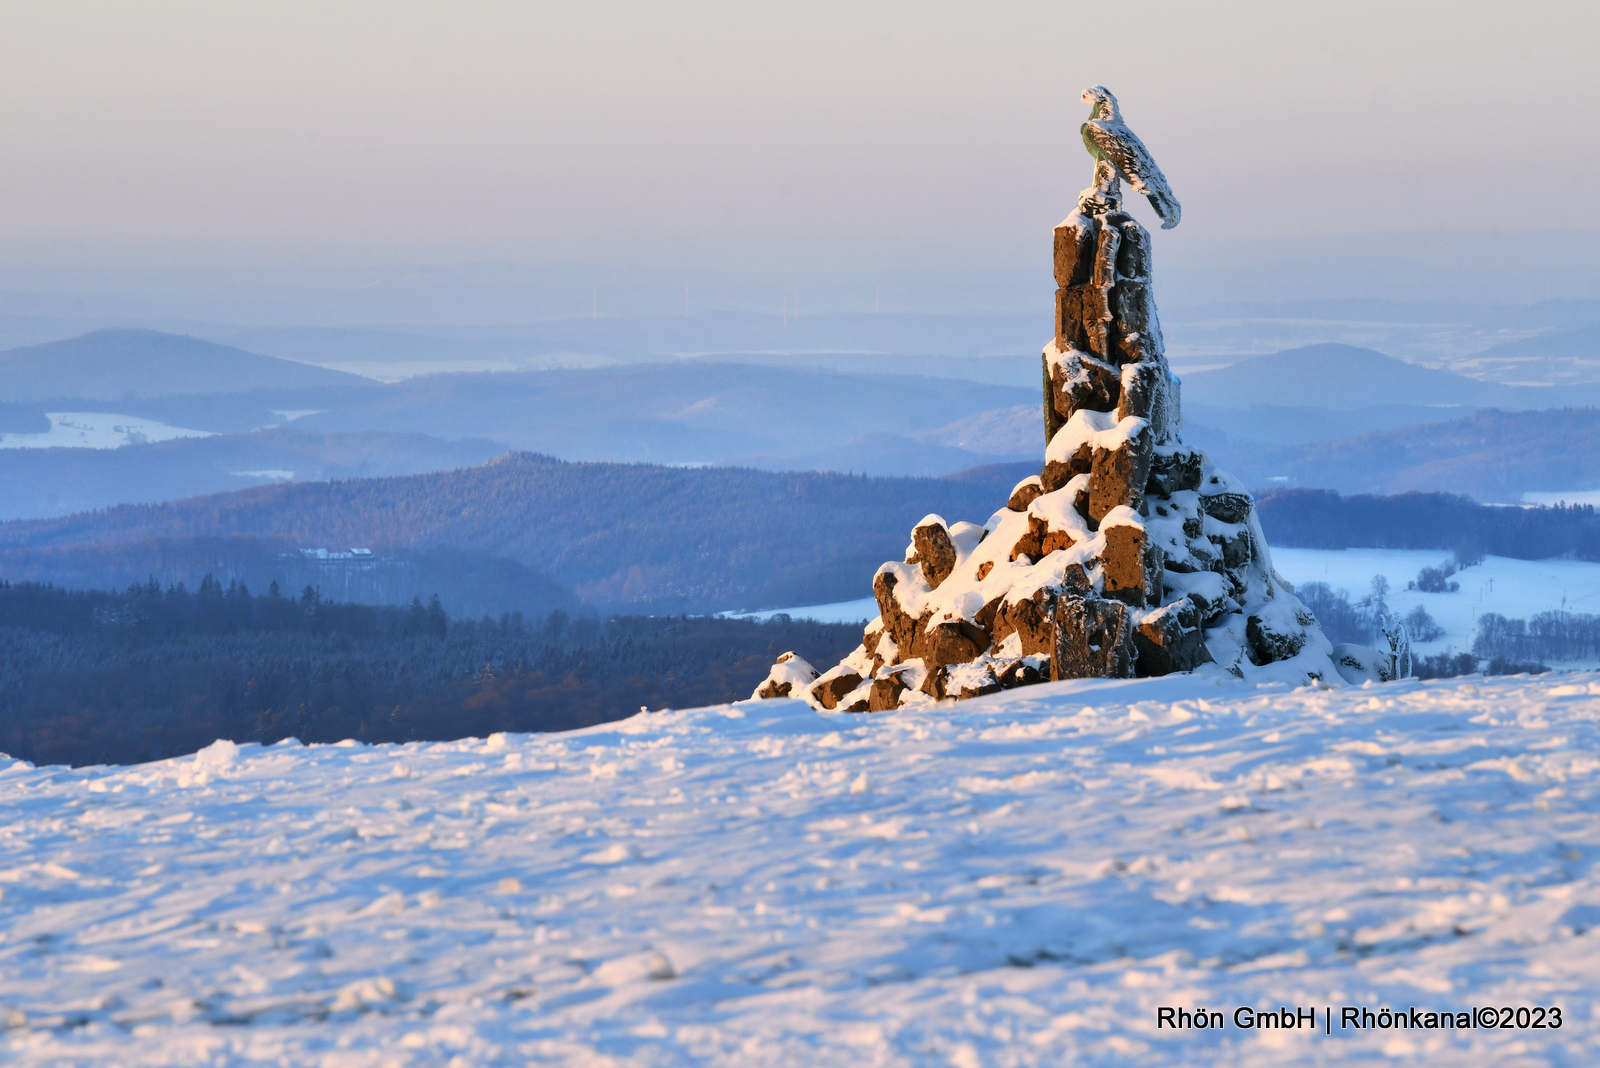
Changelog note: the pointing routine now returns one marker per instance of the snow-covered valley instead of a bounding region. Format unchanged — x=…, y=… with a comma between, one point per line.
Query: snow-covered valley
x=1019, y=879
x=97, y=430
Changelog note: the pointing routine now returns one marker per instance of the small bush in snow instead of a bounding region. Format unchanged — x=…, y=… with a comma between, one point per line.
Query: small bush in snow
x=1445, y=665
x=1422, y=626
x=1434, y=579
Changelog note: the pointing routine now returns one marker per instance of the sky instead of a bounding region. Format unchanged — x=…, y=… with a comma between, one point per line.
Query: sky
x=760, y=137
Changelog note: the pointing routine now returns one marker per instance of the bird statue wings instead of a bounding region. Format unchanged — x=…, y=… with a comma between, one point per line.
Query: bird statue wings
x=1119, y=153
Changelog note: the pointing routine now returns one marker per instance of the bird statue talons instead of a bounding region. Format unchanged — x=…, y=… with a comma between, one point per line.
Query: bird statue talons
x=1098, y=201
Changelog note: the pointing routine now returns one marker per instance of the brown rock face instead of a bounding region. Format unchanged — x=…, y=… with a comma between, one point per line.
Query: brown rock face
x=1054, y=476
x=901, y=627
x=1132, y=566
x=1133, y=254
x=1094, y=640
x=1041, y=540
x=1082, y=381
x=935, y=552
x=1171, y=641
x=1133, y=313
x=954, y=641
x=830, y=691
x=774, y=688
x=986, y=614
x=1032, y=620
x=1118, y=476
x=886, y=694
x=1026, y=492
x=1075, y=246
x=1145, y=392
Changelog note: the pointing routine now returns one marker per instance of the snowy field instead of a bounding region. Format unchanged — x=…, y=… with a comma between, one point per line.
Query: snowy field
x=858, y=611
x=1024, y=879
x=1517, y=589
x=97, y=430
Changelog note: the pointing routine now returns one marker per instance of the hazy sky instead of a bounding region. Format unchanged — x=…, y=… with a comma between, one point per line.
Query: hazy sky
x=595, y=126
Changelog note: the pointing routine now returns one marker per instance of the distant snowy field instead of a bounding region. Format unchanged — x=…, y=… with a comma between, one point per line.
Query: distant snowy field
x=97, y=430
x=1018, y=880
x=1517, y=589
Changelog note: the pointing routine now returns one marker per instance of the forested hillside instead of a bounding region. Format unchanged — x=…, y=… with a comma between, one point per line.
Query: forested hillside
x=1491, y=455
x=468, y=583
x=1322, y=519
x=621, y=536
x=94, y=677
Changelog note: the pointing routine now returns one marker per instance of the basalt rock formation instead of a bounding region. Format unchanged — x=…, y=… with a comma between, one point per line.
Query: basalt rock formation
x=1129, y=554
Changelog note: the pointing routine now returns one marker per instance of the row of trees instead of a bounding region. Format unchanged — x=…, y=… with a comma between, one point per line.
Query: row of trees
x=1362, y=622
x=1322, y=519
x=151, y=672
x=142, y=613
x=1548, y=636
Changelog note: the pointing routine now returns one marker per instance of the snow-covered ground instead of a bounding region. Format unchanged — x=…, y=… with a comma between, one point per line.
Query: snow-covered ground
x=1517, y=589
x=858, y=611
x=1021, y=879
x=97, y=430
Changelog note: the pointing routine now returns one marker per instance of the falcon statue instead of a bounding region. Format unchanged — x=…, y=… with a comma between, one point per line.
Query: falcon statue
x=1118, y=153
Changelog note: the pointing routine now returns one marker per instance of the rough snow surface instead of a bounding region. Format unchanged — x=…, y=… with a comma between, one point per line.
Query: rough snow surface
x=1017, y=880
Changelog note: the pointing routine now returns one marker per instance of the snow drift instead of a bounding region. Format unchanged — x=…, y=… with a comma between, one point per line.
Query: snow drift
x=1018, y=880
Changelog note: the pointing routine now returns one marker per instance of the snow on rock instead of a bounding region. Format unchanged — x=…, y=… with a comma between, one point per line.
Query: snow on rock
x=1022, y=879
x=790, y=676
x=1129, y=554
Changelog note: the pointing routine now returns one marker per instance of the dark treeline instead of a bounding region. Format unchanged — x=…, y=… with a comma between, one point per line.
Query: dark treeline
x=91, y=677
x=1361, y=622
x=1322, y=519
x=472, y=584
x=1557, y=636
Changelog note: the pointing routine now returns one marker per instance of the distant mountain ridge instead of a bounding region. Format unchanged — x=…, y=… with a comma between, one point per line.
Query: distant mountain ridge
x=110, y=365
x=1563, y=357
x=1494, y=456
x=1344, y=377
x=53, y=482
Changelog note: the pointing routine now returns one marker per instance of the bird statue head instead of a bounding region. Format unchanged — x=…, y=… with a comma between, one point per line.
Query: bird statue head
x=1102, y=105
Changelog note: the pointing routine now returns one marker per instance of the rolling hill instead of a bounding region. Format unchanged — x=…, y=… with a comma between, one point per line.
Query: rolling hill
x=110, y=365
x=36, y=483
x=1346, y=377
x=621, y=536
x=1493, y=456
